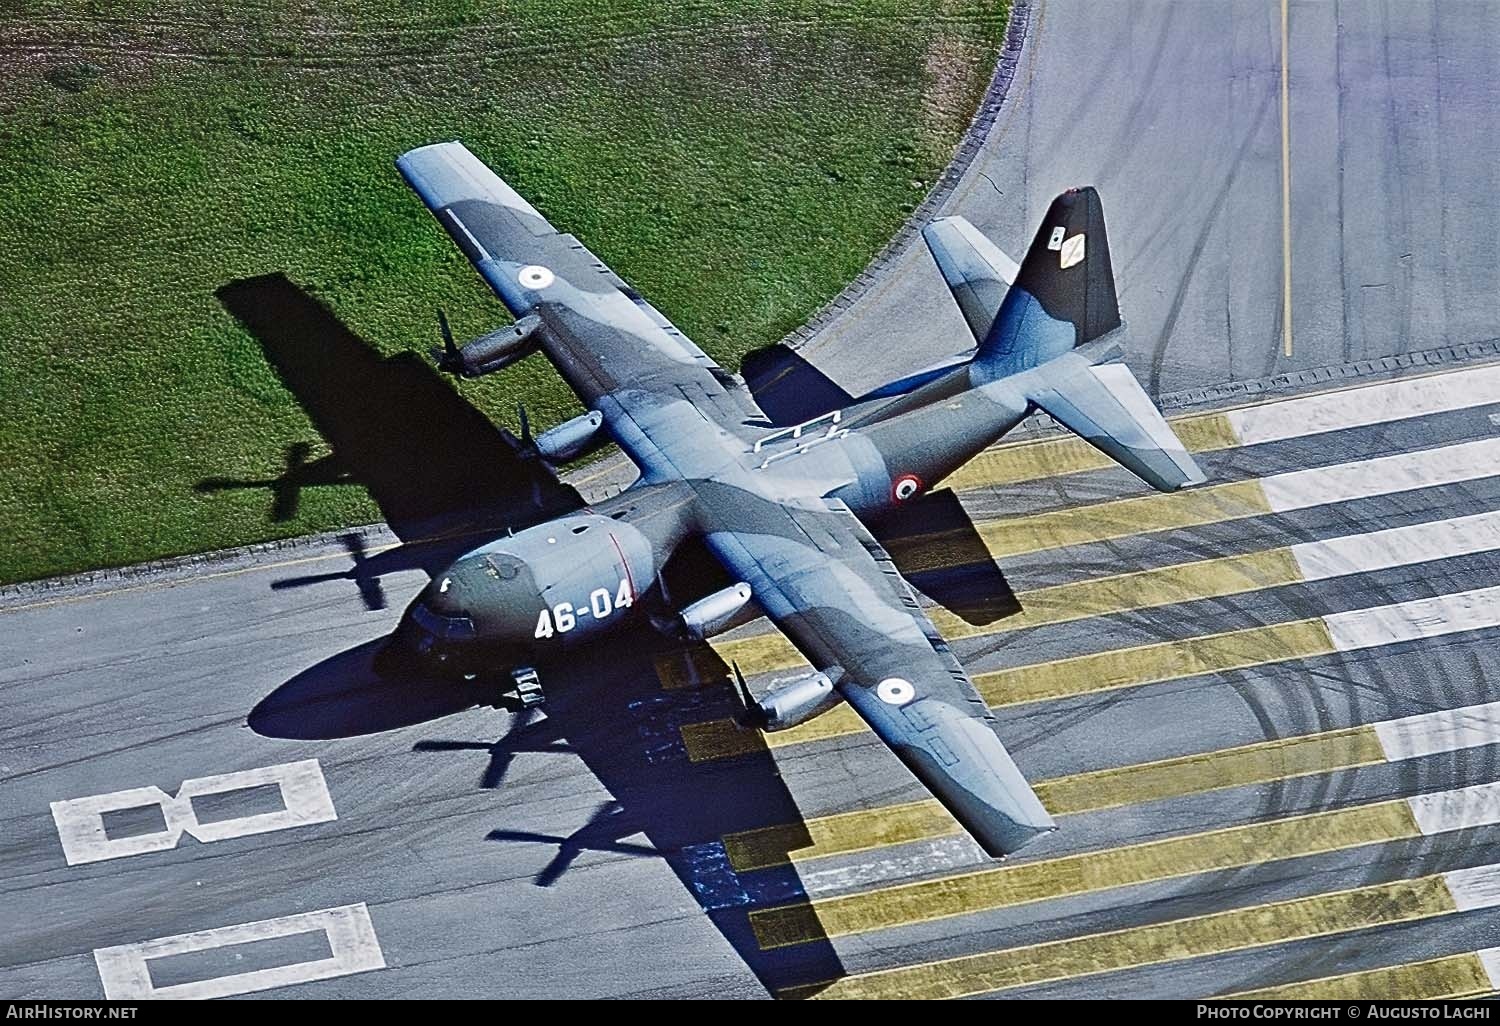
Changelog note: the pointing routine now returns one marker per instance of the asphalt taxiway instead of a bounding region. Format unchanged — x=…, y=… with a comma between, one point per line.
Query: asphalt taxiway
x=1274, y=765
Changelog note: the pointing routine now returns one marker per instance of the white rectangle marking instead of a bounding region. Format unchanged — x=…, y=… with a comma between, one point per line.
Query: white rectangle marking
x=351, y=938
x=1384, y=475
x=1379, y=403
x=1420, y=618
x=1490, y=959
x=1446, y=730
x=1458, y=809
x=1478, y=887
x=1398, y=546
x=80, y=821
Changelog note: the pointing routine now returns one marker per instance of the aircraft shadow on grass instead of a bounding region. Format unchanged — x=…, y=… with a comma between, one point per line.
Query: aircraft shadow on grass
x=606, y=707
x=435, y=465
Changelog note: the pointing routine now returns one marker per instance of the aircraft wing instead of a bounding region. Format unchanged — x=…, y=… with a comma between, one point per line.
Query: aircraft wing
x=833, y=591
x=598, y=331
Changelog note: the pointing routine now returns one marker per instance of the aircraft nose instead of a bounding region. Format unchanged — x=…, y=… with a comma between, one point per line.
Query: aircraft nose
x=443, y=596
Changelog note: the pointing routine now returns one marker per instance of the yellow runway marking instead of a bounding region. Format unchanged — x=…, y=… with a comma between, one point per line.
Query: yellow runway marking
x=1257, y=763
x=1238, y=929
x=1061, y=603
x=1103, y=521
x=1096, y=672
x=1025, y=882
x=1050, y=457
x=1156, y=663
x=1437, y=979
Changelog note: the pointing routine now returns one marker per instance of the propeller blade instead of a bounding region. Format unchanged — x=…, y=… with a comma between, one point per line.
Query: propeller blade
x=749, y=714
x=448, y=357
x=525, y=427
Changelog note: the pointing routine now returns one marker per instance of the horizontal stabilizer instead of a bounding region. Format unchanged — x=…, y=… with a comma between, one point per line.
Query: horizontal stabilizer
x=977, y=272
x=1108, y=408
x=788, y=388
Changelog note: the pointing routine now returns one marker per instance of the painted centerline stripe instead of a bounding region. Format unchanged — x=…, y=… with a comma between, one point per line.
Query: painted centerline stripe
x=1156, y=663
x=1240, y=929
x=1022, y=883
x=1161, y=586
x=1320, y=413
x=1470, y=974
x=1408, y=737
x=353, y=948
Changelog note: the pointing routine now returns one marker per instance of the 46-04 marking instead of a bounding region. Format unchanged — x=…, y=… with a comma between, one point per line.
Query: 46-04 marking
x=563, y=617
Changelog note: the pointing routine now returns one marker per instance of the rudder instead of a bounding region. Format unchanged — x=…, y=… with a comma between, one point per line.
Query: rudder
x=1063, y=296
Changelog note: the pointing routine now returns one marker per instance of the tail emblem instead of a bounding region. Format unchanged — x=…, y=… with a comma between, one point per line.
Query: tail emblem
x=1071, y=251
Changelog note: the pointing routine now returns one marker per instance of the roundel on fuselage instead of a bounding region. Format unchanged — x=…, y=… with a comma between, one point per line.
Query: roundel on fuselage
x=905, y=486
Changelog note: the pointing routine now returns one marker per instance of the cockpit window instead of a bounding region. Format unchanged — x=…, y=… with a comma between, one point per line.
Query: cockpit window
x=453, y=627
x=580, y=528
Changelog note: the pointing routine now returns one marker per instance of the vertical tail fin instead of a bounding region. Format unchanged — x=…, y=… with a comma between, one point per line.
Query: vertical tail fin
x=1063, y=295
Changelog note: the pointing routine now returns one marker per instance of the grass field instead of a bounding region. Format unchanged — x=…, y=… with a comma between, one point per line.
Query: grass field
x=737, y=161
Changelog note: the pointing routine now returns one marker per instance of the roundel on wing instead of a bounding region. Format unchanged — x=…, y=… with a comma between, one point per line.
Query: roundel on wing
x=905, y=486
x=535, y=276
x=895, y=691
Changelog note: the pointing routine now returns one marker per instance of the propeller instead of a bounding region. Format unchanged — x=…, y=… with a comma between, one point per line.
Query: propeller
x=526, y=441
x=526, y=445
x=448, y=357
x=749, y=714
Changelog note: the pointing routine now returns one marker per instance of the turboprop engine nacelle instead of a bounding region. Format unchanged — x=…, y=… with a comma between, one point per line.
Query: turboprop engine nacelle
x=795, y=701
x=708, y=616
x=491, y=352
x=570, y=439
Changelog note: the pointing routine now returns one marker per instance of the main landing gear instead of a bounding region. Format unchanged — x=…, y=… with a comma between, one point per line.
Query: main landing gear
x=526, y=687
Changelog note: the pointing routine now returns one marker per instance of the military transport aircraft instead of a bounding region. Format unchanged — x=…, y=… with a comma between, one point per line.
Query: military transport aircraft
x=781, y=506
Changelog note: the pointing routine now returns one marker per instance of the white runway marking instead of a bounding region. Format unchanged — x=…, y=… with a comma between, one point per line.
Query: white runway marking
x=1478, y=887
x=126, y=975
x=1444, y=730
x=1418, y=619
x=1381, y=403
x=1490, y=959
x=1458, y=809
x=1398, y=546
x=1384, y=475
x=80, y=821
